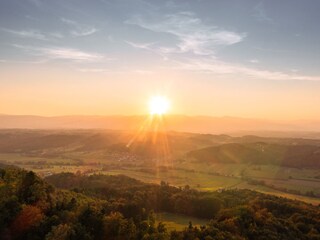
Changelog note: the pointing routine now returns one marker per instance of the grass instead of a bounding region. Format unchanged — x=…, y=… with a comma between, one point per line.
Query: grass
x=178, y=221
x=264, y=189
x=271, y=171
x=201, y=181
x=207, y=182
x=21, y=159
x=200, y=176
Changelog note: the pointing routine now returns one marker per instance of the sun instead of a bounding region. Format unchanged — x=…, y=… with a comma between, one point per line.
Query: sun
x=159, y=105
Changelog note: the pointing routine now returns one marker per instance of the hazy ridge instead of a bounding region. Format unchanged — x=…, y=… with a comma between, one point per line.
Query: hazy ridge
x=198, y=124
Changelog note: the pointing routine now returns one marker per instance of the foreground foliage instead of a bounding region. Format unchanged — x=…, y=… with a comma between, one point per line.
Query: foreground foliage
x=118, y=207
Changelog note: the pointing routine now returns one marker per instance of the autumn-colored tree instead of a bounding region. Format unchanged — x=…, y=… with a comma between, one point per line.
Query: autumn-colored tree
x=30, y=216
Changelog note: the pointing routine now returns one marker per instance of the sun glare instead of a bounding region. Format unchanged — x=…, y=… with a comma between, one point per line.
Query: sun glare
x=159, y=105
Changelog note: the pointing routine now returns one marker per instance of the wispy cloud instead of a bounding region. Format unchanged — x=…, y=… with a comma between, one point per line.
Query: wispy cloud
x=254, y=61
x=215, y=66
x=34, y=34
x=101, y=71
x=147, y=46
x=79, y=30
x=62, y=53
x=41, y=61
x=71, y=54
x=94, y=70
x=196, y=37
x=260, y=13
x=192, y=34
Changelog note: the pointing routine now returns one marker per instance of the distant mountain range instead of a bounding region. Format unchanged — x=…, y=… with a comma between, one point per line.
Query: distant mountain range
x=198, y=124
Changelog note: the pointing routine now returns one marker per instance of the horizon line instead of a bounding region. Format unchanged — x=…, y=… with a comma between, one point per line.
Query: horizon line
x=169, y=115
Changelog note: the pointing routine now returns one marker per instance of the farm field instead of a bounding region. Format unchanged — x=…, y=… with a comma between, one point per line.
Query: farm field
x=205, y=182
x=105, y=152
x=204, y=177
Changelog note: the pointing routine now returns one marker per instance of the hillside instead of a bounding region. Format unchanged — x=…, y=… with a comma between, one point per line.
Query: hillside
x=32, y=209
x=281, y=166
x=61, y=142
x=89, y=140
x=303, y=156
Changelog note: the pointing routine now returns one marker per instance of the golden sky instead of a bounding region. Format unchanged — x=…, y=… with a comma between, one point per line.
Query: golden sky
x=38, y=90
x=110, y=57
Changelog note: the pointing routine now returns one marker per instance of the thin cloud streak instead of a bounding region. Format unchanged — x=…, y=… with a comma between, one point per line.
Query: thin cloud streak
x=80, y=30
x=34, y=34
x=153, y=48
x=100, y=71
x=72, y=54
x=62, y=53
x=94, y=70
x=220, y=67
x=41, y=61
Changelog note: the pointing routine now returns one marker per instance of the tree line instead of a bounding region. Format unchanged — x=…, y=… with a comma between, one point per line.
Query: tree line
x=71, y=206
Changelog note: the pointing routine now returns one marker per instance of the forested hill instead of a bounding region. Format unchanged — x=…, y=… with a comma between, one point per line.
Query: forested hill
x=260, y=153
x=118, y=207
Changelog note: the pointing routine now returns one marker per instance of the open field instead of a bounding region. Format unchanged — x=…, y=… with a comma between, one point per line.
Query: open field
x=204, y=178
x=178, y=221
x=205, y=182
x=105, y=152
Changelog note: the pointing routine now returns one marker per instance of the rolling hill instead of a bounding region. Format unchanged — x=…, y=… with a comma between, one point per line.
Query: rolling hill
x=118, y=207
x=260, y=153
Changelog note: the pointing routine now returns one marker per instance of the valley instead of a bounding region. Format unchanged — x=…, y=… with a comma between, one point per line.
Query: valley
x=201, y=161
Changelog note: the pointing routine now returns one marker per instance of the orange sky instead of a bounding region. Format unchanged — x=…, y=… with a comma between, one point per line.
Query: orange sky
x=38, y=90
